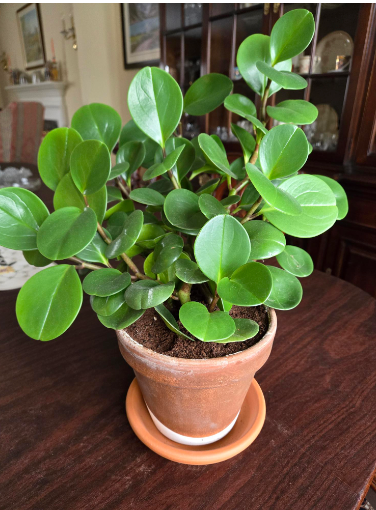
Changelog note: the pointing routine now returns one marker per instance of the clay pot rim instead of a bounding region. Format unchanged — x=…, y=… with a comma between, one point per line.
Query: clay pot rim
x=229, y=358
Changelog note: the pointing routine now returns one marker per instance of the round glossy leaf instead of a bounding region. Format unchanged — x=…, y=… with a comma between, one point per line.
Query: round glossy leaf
x=241, y=105
x=206, y=326
x=67, y=195
x=221, y=247
x=147, y=294
x=166, y=252
x=231, y=199
x=182, y=210
x=245, y=329
x=119, y=169
x=132, y=132
x=170, y=321
x=249, y=285
x=188, y=271
x=237, y=167
x=35, y=258
x=210, y=206
x=295, y=111
x=166, y=165
x=214, y=153
x=129, y=234
x=55, y=153
x=105, y=282
x=283, y=151
x=107, y=305
x=122, y=318
x=21, y=215
x=246, y=140
x=286, y=292
x=90, y=166
x=115, y=223
x=150, y=235
x=296, y=261
x=49, y=302
x=113, y=194
x=284, y=79
x=186, y=158
x=94, y=251
x=147, y=196
x=132, y=152
x=98, y=122
x=66, y=232
x=291, y=34
x=266, y=240
x=125, y=206
x=318, y=204
x=249, y=197
x=339, y=193
x=207, y=93
x=155, y=102
x=274, y=196
x=163, y=186
x=208, y=187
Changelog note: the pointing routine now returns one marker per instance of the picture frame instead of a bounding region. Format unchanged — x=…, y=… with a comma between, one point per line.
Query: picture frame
x=31, y=36
x=141, y=36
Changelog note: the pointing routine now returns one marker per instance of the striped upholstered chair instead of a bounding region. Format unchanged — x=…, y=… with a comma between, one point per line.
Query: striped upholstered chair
x=21, y=128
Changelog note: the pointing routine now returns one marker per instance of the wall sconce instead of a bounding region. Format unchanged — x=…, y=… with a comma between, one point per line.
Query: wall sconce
x=70, y=33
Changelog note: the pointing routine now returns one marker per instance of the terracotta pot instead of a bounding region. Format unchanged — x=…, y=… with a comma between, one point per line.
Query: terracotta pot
x=196, y=401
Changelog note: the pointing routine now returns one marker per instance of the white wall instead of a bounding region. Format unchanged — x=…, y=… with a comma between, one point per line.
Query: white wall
x=95, y=72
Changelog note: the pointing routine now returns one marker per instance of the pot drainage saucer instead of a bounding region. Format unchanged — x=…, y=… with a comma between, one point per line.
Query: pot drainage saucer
x=246, y=429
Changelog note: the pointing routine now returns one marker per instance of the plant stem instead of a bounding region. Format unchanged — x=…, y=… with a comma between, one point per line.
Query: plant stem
x=122, y=188
x=245, y=181
x=83, y=264
x=185, y=293
x=170, y=174
x=86, y=202
x=264, y=101
x=213, y=304
x=103, y=233
x=249, y=214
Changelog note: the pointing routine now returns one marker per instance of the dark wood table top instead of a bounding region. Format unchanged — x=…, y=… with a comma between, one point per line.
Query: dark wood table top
x=65, y=442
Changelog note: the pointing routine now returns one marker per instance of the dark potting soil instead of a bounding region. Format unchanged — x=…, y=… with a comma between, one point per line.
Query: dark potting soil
x=151, y=332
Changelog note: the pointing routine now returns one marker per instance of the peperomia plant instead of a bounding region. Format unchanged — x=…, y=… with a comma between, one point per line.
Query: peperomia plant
x=194, y=245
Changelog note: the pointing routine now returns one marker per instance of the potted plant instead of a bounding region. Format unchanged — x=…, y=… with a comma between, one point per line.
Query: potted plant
x=198, y=319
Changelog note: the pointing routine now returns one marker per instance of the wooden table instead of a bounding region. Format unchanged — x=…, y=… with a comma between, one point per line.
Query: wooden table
x=65, y=442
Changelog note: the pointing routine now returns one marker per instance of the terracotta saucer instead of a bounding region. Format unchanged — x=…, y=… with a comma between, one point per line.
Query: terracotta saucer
x=246, y=429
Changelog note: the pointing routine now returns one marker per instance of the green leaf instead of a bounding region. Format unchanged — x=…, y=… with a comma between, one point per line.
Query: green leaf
x=129, y=234
x=286, y=292
x=35, y=258
x=295, y=111
x=67, y=195
x=241, y=105
x=249, y=285
x=21, y=215
x=115, y=223
x=150, y=235
x=107, y=305
x=214, y=153
x=155, y=102
x=207, y=93
x=208, y=187
x=237, y=168
x=257, y=124
x=163, y=186
x=274, y=196
x=266, y=240
x=119, y=169
x=318, y=204
x=165, y=166
x=126, y=206
x=291, y=35
x=166, y=252
x=113, y=194
x=188, y=271
x=339, y=193
x=148, y=294
x=49, y=302
x=147, y=196
x=122, y=318
x=98, y=122
x=170, y=321
x=55, y=153
x=66, y=232
x=186, y=158
x=134, y=153
x=166, y=276
x=283, y=151
x=253, y=49
x=221, y=247
x=94, y=251
x=206, y=326
x=105, y=282
x=210, y=206
x=296, y=261
x=246, y=140
x=249, y=197
x=90, y=166
x=245, y=329
x=132, y=132
x=182, y=210
x=285, y=79
x=231, y=199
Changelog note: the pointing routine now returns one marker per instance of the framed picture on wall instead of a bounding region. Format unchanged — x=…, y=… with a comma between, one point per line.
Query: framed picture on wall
x=140, y=23
x=30, y=28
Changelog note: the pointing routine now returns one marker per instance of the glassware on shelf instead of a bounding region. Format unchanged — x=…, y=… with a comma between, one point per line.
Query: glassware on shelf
x=19, y=178
x=192, y=14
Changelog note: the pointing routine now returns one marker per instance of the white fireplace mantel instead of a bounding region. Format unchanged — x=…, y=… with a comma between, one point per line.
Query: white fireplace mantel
x=50, y=93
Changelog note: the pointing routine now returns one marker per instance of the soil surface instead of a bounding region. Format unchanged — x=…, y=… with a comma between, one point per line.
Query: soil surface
x=151, y=332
